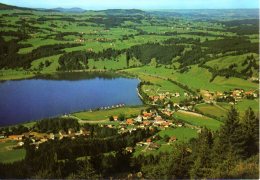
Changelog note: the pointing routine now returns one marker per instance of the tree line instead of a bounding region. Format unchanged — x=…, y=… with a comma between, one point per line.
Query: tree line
x=231, y=152
x=10, y=58
x=61, y=158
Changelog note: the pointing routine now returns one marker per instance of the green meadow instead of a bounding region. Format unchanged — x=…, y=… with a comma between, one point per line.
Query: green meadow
x=198, y=120
x=104, y=114
x=8, y=154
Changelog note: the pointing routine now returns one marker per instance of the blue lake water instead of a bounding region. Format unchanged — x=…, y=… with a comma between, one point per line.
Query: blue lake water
x=34, y=99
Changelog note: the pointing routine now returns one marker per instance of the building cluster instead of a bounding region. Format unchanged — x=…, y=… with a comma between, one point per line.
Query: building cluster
x=167, y=95
x=37, y=138
x=146, y=120
x=231, y=96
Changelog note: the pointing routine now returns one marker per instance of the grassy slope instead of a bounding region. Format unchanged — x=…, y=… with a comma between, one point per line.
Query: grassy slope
x=212, y=110
x=118, y=63
x=226, y=61
x=197, y=78
x=182, y=134
x=161, y=86
x=243, y=105
x=104, y=114
x=8, y=155
x=198, y=121
x=50, y=69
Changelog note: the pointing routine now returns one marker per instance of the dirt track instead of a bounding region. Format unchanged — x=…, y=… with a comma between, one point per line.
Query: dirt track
x=191, y=113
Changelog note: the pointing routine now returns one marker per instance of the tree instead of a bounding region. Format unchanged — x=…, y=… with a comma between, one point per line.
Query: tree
x=86, y=171
x=41, y=65
x=180, y=162
x=47, y=63
x=127, y=58
x=153, y=62
x=166, y=138
x=231, y=134
x=202, y=154
x=111, y=118
x=251, y=132
x=121, y=117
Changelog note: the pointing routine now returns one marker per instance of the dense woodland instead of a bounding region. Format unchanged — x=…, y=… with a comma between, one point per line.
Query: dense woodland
x=9, y=57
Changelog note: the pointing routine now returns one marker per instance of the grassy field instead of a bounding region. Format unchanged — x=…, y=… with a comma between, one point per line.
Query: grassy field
x=196, y=78
x=104, y=114
x=201, y=121
x=161, y=86
x=8, y=155
x=213, y=110
x=242, y=106
x=183, y=134
x=37, y=42
x=50, y=69
x=226, y=61
x=118, y=63
x=11, y=74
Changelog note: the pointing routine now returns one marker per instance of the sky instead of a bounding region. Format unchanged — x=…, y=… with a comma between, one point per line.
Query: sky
x=136, y=4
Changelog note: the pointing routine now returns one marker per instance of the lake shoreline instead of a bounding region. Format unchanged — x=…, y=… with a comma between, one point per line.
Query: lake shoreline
x=73, y=91
x=21, y=75
x=32, y=122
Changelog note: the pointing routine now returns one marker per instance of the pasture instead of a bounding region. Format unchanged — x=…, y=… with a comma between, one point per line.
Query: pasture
x=198, y=120
x=8, y=154
x=104, y=114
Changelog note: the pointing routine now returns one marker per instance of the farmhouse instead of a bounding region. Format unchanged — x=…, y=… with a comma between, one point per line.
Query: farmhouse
x=172, y=139
x=146, y=123
x=129, y=149
x=71, y=131
x=62, y=134
x=115, y=118
x=148, y=140
x=153, y=146
x=129, y=121
x=16, y=137
x=158, y=118
x=251, y=93
x=51, y=136
x=139, y=118
x=237, y=93
x=20, y=143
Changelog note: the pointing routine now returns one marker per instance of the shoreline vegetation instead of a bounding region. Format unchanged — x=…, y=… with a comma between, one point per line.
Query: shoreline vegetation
x=21, y=75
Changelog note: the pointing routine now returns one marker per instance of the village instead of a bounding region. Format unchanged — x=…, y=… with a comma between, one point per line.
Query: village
x=146, y=120
x=206, y=96
x=160, y=118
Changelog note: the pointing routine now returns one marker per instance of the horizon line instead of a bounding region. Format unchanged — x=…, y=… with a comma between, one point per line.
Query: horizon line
x=144, y=9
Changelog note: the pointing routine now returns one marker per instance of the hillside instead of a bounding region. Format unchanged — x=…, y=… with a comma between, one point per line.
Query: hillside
x=196, y=84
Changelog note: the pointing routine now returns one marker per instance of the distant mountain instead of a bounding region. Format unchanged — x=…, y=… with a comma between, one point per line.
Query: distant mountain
x=72, y=10
x=10, y=7
x=123, y=11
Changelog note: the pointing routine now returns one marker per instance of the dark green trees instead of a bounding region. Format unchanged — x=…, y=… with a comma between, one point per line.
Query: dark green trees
x=231, y=152
x=251, y=133
x=202, y=155
x=76, y=60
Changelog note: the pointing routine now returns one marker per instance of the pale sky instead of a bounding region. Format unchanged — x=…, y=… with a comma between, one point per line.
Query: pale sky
x=137, y=4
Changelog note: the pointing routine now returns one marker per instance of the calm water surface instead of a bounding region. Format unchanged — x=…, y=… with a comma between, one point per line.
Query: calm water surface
x=33, y=99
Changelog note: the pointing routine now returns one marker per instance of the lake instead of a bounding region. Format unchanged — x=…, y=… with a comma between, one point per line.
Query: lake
x=34, y=99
